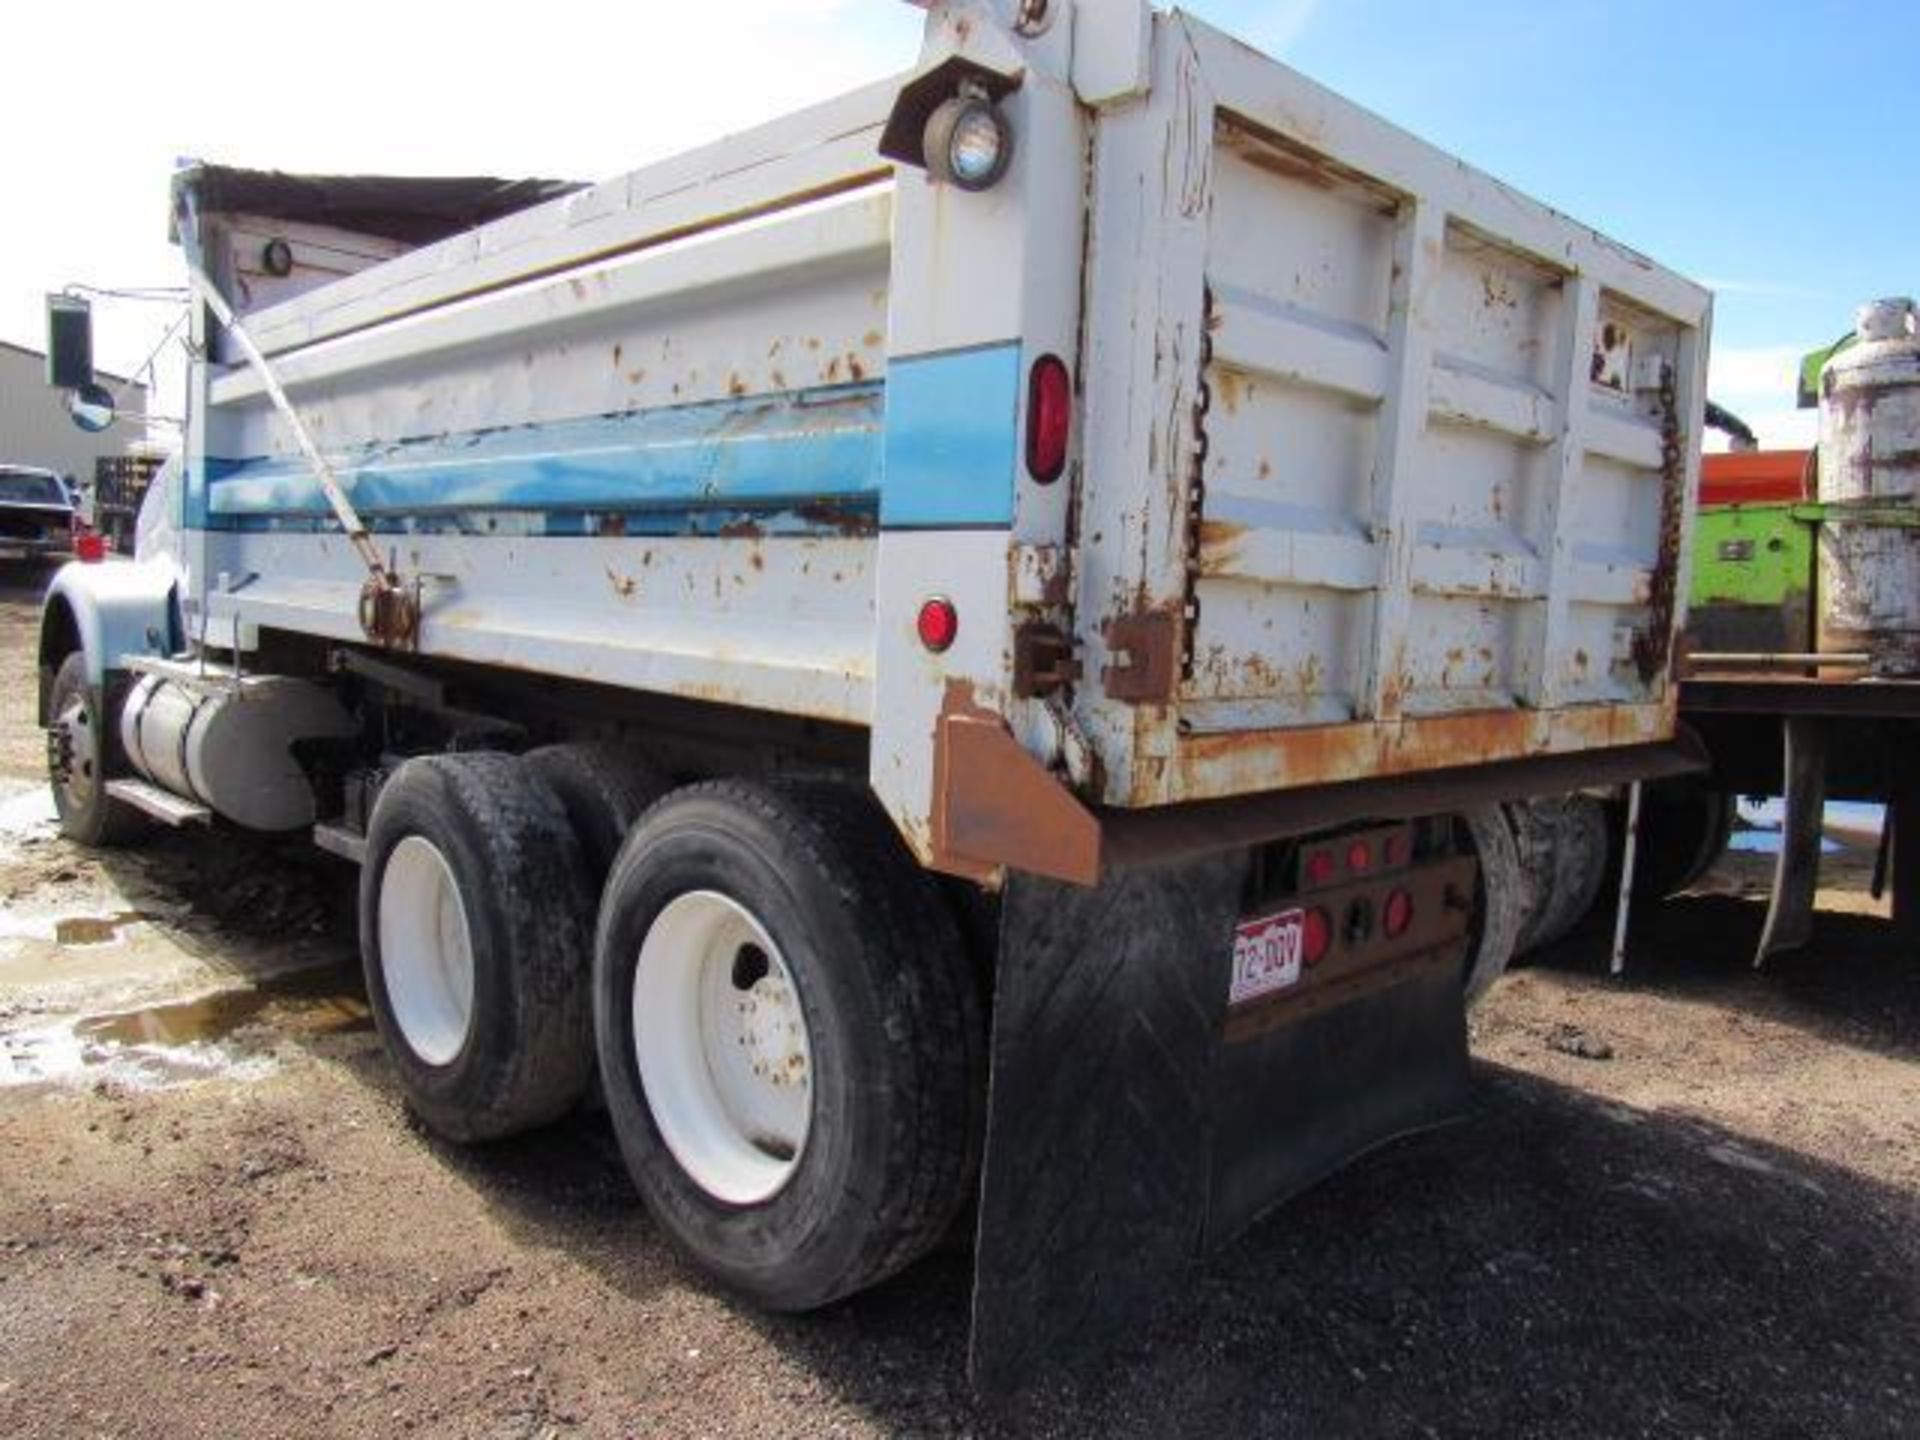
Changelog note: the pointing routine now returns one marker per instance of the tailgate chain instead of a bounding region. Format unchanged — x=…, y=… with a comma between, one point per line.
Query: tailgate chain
x=1197, y=488
x=1654, y=645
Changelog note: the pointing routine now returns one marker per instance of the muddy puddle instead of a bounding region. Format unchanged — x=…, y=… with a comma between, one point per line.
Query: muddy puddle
x=310, y=1003
x=95, y=929
x=227, y=1033
x=128, y=973
x=76, y=931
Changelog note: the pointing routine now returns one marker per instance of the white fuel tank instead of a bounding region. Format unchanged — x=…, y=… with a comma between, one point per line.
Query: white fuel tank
x=228, y=741
x=1870, y=466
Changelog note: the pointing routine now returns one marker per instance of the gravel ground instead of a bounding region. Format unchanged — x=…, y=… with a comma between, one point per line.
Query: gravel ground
x=216, y=1218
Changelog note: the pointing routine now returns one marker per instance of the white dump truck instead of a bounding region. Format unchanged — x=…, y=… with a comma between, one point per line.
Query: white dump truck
x=961, y=650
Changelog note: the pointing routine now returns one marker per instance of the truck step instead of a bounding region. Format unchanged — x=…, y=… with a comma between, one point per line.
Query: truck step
x=339, y=840
x=162, y=805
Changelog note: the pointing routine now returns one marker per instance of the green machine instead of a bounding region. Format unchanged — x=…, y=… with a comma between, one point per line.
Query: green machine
x=1755, y=590
x=1753, y=578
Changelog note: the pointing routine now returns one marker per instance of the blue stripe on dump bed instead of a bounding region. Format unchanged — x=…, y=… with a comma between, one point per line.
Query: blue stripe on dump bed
x=934, y=446
x=951, y=441
x=777, y=451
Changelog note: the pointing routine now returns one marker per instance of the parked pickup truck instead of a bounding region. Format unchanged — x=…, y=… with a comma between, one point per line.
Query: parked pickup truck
x=37, y=515
x=962, y=649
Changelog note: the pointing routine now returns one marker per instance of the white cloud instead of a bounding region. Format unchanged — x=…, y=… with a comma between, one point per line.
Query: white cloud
x=566, y=88
x=1768, y=373
x=1758, y=383
x=1777, y=429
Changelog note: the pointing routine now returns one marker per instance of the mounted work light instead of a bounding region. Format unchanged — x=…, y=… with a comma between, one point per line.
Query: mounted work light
x=968, y=142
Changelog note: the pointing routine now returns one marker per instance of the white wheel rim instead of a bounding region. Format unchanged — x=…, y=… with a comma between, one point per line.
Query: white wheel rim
x=722, y=1044
x=426, y=951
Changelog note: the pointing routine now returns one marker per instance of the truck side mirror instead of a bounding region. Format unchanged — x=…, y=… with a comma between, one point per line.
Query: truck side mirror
x=91, y=407
x=69, y=342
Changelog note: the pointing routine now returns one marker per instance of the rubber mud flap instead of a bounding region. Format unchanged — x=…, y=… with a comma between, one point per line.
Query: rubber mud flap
x=1294, y=1105
x=1126, y=1137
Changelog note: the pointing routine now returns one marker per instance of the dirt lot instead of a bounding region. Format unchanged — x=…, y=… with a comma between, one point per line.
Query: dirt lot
x=216, y=1219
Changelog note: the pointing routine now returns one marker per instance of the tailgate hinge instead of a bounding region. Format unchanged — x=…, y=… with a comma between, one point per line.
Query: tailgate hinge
x=1043, y=660
x=1149, y=646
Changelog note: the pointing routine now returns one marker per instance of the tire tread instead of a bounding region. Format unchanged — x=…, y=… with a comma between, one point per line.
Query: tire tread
x=604, y=787
x=540, y=904
x=931, y=1014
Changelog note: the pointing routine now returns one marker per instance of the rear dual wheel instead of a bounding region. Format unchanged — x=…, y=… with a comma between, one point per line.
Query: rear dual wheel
x=476, y=920
x=790, y=1040
x=1562, y=843
x=604, y=787
x=478, y=896
x=1499, y=901
x=789, y=1034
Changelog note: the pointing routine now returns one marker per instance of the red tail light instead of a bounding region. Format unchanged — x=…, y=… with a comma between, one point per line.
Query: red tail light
x=1316, y=933
x=1399, y=914
x=938, y=624
x=88, y=545
x=1049, y=418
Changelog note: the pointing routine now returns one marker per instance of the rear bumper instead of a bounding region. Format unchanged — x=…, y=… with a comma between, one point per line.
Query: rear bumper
x=1226, y=764
x=994, y=805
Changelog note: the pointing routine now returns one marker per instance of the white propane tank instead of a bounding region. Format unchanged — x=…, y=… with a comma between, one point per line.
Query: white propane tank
x=1870, y=459
x=227, y=742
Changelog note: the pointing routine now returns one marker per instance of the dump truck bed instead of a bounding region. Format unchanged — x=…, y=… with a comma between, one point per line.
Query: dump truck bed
x=1378, y=467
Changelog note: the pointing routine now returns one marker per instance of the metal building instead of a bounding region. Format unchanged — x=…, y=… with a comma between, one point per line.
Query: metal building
x=35, y=428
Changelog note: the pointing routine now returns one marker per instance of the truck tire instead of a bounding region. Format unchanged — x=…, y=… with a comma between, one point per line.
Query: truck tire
x=1500, y=899
x=604, y=788
x=476, y=919
x=1563, y=855
x=83, y=753
x=790, y=1038
x=1580, y=867
x=1685, y=826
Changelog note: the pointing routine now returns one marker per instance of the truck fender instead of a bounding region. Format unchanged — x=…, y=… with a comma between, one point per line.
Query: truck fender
x=107, y=612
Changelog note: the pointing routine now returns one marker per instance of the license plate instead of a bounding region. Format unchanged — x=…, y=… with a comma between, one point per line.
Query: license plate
x=1266, y=955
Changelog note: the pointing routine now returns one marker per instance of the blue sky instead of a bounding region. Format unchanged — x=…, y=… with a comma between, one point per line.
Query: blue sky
x=1764, y=148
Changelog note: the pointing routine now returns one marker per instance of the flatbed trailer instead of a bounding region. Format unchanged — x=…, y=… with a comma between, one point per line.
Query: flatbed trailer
x=963, y=648
x=1809, y=738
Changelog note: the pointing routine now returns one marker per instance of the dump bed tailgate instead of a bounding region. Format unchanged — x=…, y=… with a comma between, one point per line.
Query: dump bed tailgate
x=1387, y=466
